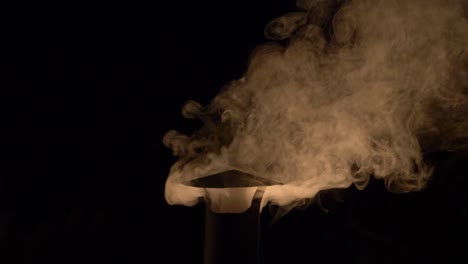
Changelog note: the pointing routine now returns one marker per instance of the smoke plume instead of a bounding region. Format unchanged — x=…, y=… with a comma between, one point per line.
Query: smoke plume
x=346, y=90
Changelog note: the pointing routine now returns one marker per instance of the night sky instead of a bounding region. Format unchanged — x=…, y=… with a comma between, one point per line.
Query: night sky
x=97, y=85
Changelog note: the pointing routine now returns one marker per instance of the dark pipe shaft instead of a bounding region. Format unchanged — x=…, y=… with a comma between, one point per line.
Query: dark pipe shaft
x=232, y=238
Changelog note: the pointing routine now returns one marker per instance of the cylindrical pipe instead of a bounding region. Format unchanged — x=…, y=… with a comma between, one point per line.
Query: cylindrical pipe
x=232, y=222
x=233, y=238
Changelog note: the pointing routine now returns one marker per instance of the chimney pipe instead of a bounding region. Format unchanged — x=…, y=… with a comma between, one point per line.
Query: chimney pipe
x=232, y=220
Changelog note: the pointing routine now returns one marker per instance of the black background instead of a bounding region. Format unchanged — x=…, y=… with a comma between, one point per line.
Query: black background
x=96, y=86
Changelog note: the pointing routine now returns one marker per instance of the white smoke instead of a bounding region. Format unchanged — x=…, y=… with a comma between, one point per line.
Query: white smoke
x=358, y=91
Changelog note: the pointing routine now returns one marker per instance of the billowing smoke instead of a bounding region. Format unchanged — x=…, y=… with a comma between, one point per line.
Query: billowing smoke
x=347, y=90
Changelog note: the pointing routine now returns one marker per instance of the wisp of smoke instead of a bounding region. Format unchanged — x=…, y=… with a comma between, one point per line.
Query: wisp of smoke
x=361, y=89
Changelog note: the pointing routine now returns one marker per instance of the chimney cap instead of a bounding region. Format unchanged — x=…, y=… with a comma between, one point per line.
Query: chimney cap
x=231, y=179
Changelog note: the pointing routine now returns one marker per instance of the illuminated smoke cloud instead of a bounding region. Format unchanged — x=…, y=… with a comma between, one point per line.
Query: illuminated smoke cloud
x=361, y=90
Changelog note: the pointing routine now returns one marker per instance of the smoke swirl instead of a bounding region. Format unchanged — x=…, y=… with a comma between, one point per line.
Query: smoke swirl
x=360, y=90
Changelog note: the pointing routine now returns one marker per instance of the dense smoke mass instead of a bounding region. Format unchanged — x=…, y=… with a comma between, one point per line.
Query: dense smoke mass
x=345, y=91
